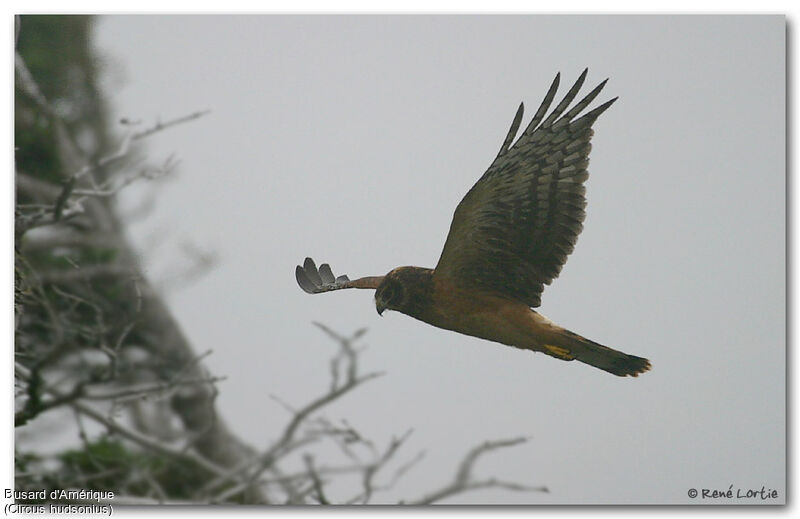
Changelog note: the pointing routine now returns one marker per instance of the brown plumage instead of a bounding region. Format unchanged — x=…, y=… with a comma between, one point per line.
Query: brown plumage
x=511, y=235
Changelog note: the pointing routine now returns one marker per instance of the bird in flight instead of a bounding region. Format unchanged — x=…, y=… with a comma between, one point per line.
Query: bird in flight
x=510, y=235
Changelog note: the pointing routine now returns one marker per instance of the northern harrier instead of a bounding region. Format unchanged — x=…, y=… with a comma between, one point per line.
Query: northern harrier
x=510, y=236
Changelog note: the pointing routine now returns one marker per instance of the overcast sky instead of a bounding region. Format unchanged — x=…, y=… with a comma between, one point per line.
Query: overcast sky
x=351, y=139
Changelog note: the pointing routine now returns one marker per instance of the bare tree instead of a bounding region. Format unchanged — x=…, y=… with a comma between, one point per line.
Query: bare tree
x=94, y=339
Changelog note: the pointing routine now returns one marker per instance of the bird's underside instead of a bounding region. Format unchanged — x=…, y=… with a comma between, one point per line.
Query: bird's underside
x=510, y=235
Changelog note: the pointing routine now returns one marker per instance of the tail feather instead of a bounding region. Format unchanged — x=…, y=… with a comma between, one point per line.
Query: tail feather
x=574, y=347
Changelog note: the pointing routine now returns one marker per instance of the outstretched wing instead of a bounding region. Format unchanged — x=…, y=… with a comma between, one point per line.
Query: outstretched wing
x=316, y=281
x=513, y=231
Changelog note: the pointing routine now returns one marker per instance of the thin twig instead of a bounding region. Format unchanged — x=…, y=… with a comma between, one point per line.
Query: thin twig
x=367, y=480
x=315, y=479
x=464, y=481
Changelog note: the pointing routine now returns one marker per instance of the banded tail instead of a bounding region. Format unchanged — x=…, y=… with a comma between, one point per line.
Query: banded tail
x=574, y=347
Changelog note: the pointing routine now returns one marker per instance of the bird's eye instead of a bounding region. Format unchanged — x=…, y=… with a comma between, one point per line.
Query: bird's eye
x=393, y=292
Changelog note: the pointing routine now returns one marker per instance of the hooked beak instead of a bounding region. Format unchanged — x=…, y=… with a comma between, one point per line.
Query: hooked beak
x=380, y=307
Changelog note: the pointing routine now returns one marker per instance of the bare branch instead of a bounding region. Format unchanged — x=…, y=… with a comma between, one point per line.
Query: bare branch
x=159, y=126
x=288, y=442
x=127, y=433
x=315, y=478
x=367, y=480
x=149, y=391
x=79, y=317
x=464, y=481
x=124, y=147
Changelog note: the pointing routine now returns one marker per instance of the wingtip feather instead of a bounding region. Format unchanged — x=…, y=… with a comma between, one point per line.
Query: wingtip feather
x=303, y=280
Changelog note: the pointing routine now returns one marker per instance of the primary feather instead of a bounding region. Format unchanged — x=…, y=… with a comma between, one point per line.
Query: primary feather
x=512, y=232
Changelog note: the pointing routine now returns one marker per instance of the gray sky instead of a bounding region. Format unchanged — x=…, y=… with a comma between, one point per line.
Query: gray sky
x=351, y=139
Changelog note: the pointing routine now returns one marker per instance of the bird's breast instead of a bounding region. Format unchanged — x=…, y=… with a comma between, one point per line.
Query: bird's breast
x=485, y=316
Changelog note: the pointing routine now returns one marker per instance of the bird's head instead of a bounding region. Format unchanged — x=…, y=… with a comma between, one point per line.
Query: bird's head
x=404, y=289
x=390, y=294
